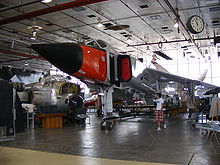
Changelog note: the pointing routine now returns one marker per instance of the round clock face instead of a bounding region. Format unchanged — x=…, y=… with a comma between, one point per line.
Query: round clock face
x=195, y=24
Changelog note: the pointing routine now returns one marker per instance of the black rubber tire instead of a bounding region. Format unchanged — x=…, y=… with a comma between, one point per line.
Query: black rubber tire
x=109, y=125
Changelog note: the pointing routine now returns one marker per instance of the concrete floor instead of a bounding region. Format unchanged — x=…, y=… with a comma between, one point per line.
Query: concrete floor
x=132, y=140
x=12, y=156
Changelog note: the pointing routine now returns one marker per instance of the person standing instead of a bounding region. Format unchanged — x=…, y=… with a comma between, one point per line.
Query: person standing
x=159, y=118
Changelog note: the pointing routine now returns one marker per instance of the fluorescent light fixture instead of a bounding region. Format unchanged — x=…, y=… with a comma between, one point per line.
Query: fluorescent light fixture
x=46, y=1
x=155, y=17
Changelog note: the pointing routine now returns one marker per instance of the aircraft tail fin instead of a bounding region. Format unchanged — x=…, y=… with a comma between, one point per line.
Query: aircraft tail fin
x=203, y=75
x=158, y=66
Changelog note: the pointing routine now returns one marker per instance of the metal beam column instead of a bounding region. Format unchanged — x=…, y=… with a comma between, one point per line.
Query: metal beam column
x=77, y=3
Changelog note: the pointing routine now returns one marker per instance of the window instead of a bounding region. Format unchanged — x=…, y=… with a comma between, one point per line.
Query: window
x=102, y=43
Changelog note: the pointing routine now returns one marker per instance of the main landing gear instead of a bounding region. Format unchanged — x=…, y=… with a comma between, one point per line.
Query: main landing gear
x=107, y=107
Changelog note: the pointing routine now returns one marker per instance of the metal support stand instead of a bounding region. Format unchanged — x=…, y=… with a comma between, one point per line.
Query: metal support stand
x=30, y=119
x=107, y=106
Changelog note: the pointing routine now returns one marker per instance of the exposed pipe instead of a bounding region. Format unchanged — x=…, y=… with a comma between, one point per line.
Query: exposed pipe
x=24, y=34
x=55, y=25
x=143, y=15
x=14, y=39
x=142, y=19
x=145, y=22
x=48, y=10
x=58, y=26
x=41, y=38
x=168, y=13
x=100, y=30
x=167, y=42
x=17, y=49
x=23, y=59
x=109, y=19
x=21, y=54
x=21, y=5
x=183, y=25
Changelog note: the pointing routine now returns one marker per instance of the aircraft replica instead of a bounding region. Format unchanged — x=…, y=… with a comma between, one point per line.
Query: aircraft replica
x=100, y=66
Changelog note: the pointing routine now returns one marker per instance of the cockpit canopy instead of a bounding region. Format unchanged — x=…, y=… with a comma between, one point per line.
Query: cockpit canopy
x=100, y=44
x=97, y=44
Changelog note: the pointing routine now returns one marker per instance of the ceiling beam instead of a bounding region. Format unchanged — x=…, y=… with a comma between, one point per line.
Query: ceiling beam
x=21, y=54
x=172, y=41
x=183, y=25
x=118, y=39
x=77, y=3
x=20, y=5
x=142, y=19
x=142, y=15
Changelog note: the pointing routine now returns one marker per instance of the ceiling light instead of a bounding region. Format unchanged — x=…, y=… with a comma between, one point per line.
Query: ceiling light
x=34, y=35
x=129, y=40
x=26, y=63
x=46, y=1
x=35, y=27
x=155, y=17
x=176, y=24
x=33, y=38
x=99, y=23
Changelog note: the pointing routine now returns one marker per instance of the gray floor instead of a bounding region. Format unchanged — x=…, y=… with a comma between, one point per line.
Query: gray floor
x=132, y=139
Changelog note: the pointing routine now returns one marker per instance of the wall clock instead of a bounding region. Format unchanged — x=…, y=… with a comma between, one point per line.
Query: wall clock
x=195, y=24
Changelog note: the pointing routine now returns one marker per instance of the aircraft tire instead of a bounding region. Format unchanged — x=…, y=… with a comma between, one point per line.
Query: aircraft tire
x=109, y=125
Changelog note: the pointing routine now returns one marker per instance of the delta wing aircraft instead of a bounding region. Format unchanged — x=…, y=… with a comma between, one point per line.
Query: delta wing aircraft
x=99, y=65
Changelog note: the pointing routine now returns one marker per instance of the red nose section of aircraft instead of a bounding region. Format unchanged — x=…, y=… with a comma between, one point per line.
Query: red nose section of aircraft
x=74, y=59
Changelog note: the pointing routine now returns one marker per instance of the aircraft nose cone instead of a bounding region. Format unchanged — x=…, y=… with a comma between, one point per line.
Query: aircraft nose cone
x=67, y=57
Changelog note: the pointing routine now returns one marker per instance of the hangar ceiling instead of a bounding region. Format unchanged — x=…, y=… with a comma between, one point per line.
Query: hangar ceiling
x=148, y=23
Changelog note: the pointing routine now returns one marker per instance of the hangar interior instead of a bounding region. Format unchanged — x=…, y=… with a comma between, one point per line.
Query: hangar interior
x=78, y=81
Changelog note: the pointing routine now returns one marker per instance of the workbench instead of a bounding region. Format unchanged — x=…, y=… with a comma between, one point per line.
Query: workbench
x=52, y=120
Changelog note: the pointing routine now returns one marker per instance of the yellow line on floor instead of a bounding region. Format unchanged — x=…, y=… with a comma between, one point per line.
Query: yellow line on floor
x=15, y=156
